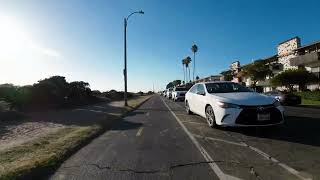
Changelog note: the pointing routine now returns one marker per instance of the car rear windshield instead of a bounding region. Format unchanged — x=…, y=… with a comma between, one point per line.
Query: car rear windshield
x=226, y=88
x=181, y=89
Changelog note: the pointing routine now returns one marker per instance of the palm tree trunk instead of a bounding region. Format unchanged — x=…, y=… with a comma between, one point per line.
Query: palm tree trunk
x=194, y=64
x=184, y=74
x=189, y=75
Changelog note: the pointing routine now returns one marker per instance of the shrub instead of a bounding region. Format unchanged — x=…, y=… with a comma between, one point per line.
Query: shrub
x=310, y=95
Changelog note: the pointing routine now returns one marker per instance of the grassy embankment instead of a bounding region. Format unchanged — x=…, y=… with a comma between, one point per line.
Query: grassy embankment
x=42, y=155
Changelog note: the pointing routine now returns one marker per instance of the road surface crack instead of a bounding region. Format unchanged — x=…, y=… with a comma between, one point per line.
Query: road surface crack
x=151, y=171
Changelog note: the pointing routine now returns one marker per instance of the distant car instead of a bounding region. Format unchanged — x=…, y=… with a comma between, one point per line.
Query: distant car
x=230, y=104
x=178, y=93
x=169, y=93
x=163, y=93
x=285, y=98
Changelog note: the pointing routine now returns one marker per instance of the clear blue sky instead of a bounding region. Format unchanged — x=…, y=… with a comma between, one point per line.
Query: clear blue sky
x=83, y=40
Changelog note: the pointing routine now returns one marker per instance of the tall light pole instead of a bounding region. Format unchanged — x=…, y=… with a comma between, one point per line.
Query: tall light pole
x=125, y=55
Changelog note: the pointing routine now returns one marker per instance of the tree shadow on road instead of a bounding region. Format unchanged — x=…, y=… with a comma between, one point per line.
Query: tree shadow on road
x=126, y=125
x=300, y=130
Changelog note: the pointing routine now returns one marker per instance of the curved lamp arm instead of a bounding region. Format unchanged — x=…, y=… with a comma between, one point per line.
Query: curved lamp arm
x=137, y=12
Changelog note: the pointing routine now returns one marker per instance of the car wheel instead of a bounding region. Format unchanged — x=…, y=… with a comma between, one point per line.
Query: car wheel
x=211, y=117
x=188, y=108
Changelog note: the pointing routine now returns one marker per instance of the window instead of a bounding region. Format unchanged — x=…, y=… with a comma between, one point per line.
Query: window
x=226, y=88
x=200, y=89
x=194, y=88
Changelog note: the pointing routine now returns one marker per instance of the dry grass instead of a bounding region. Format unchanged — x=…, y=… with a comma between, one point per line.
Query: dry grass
x=49, y=151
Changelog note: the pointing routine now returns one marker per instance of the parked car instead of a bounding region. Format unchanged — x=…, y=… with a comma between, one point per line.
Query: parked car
x=230, y=104
x=169, y=93
x=163, y=93
x=178, y=93
x=285, y=98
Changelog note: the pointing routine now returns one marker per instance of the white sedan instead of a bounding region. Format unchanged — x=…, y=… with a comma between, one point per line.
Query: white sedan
x=231, y=104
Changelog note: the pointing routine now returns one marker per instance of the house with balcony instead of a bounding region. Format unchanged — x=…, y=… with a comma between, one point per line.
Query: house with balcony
x=290, y=55
x=308, y=56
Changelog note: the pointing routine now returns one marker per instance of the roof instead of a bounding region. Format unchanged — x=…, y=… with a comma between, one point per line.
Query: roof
x=296, y=37
x=308, y=45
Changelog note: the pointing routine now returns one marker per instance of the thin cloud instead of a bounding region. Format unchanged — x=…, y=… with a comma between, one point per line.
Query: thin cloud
x=45, y=51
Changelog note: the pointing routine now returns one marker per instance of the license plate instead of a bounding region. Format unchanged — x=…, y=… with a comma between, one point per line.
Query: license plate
x=263, y=117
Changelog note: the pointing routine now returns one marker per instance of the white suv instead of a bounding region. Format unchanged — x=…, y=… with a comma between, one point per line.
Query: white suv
x=178, y=93
x=169, y=93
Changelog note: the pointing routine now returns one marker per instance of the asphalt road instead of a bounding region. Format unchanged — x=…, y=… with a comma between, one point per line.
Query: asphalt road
x=160, y=141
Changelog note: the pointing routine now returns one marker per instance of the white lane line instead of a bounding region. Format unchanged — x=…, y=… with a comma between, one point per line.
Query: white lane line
x=101, y=107
x=268, y=157
x=96, y=111
x=220, y=140
x=286, y=167
x=204, y=153
x=139, y=132
x=191, y=122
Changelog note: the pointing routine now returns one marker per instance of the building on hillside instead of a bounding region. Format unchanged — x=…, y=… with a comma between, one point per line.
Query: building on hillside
x=286, y=51
x=290, y=55
x=308, y=56
x=235, y=68
x=209, y=78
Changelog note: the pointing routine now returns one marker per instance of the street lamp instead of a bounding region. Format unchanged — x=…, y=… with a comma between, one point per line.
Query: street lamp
x=125, y=55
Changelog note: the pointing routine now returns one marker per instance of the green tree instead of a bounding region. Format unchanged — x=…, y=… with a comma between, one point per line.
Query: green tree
x=79, y=90
x=292, y=77
x=169, y=85
x=51, y=90
x=194, y=50
x=176, y=82
x=256, y=71
x=227, y=75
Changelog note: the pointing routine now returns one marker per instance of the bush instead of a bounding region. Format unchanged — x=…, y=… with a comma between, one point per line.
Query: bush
x=310, y=95
x=292, y=77
x=116, y=95
x=54, y=91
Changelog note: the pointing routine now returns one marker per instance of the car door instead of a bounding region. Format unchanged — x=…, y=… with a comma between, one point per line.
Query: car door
x=200, y=99
x=191, y=97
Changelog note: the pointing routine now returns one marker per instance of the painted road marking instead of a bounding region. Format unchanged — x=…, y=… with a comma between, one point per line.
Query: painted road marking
x=192, y=122
x=100, y=107
x=139, y=132
x=204, y=153
x=220, y=140
x=286, y=167
x=96, y=111
x=268, y=157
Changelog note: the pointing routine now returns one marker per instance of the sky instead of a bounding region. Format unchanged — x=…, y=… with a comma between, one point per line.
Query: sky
x=83, y=40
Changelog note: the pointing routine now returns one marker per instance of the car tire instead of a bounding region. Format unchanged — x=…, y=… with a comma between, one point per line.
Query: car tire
x=210, y=117
x=188, y=108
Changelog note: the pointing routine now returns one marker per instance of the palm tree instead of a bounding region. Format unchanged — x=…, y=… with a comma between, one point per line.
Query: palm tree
x=184, y=74
x=187, y=62
x=194, y=49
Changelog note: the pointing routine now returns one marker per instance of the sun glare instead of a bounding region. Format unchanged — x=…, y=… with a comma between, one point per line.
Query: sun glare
x=13, y=38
